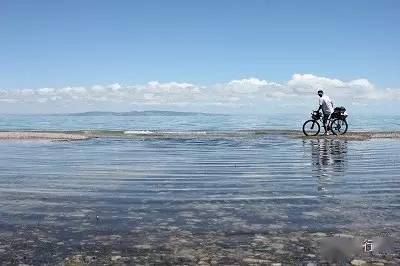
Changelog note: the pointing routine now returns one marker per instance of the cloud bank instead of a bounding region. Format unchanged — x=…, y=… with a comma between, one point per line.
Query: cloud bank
x=300, y=89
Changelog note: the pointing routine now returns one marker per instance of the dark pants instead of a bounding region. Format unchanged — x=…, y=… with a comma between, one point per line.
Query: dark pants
x=325, y=119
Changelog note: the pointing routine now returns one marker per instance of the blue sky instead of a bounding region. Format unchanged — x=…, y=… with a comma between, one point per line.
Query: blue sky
x=56, y=44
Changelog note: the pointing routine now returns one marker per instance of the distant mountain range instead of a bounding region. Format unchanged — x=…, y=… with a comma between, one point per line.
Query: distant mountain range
x=141, y=113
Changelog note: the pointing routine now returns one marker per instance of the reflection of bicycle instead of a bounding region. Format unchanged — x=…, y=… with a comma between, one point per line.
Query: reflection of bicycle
x=336, y=123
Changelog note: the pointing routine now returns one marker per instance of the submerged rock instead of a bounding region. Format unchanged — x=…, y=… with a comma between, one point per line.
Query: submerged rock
x=358, y=262
x=255, y=261
x=115, y=258
x=344, y=236
x=319, y=234
x=142, y=246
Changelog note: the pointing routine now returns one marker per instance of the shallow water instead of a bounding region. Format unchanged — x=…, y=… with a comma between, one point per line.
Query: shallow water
x=229, y=200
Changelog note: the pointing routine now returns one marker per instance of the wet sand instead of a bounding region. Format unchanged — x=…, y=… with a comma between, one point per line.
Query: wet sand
x=85, y=135
x=20, y=135
x=360, y=136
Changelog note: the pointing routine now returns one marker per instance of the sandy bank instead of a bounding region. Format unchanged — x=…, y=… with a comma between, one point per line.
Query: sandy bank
x=42, y=136
x=360, y=136
x=84, y=135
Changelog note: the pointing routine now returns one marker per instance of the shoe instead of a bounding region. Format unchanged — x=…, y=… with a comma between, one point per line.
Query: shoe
x=326, y=134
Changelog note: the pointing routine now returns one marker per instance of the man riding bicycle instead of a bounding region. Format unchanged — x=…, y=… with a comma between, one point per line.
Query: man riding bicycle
x=326, y=105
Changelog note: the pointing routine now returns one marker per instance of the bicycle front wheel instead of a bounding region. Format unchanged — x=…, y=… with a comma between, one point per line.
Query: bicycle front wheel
x=339, y=126
x=311, y=128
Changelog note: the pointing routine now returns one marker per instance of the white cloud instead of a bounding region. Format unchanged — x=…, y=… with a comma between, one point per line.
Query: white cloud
x=242, y=92
x=358, y=89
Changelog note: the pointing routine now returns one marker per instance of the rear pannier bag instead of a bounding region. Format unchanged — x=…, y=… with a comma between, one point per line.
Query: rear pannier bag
x=340, y=109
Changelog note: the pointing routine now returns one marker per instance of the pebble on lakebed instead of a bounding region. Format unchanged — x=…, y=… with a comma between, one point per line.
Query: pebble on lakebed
x=358, y=262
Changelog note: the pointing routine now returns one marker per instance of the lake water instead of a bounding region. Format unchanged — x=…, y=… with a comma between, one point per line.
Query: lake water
x=227, y=200
x=359, y=122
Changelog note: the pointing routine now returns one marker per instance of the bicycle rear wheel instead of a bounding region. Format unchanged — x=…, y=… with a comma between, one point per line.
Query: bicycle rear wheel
x=311, y=128
x=339, y=126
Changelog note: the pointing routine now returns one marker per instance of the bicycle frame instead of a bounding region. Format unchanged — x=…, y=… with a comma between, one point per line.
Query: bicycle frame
x=321, y=119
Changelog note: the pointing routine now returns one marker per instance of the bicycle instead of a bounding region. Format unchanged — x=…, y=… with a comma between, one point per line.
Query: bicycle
x=336, y=123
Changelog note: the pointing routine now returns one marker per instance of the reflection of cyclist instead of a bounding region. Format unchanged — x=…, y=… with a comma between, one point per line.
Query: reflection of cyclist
x=329, y=160
x=326, y=105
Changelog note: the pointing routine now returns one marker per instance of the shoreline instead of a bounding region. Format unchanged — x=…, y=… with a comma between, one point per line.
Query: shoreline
x=162, y=134
x=57, y=136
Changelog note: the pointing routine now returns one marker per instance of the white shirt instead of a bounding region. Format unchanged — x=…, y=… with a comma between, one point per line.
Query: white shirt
x=327, y=105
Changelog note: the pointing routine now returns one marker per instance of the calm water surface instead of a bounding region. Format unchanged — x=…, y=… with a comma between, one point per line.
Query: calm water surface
x=357, y=122
x=228, y=200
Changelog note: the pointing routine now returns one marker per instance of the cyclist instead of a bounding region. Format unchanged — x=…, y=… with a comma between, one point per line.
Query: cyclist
x=326, y=105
